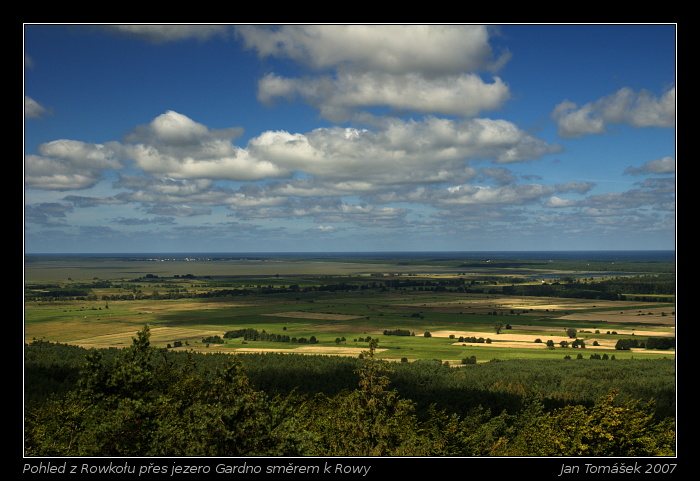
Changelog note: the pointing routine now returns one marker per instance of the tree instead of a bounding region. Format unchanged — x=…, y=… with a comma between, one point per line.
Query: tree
x=626, y=344
x=498, y=325
x=145, y=404
x=609, y=428
x=372, y=420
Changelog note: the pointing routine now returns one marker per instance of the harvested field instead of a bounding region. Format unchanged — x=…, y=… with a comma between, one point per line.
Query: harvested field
x=71, y=330
x=159, y=336
x=657, y=315
x=535, y=303
x=501, y=337
x=527, y=341
x=669, y=331
x=185, y=306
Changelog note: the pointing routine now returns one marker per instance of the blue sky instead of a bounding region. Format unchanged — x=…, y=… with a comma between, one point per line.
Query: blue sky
x=288, y=138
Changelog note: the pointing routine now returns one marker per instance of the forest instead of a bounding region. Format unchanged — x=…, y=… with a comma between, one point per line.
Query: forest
x=149, y=401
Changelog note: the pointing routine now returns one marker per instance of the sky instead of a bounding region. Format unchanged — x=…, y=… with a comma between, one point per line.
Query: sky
x=349, y=137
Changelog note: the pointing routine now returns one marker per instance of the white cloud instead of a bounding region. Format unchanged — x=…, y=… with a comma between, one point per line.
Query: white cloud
x=419, y=68
x=505, y=195
x=665, y=165
x=637, y=109
x=500, y=175
x=436, y=175
x=578, y=187
x=69, y=164
x=359, y=214
x=177, y=210
x=397, y=49
x=33, y=110
x=184, y=158
x=555, y=202
x=463, y=94
x=176, y=146
x=433, y=150
x=468, y=196
x=173, y=128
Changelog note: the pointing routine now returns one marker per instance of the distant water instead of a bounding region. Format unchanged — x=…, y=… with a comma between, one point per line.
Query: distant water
x=589, y=255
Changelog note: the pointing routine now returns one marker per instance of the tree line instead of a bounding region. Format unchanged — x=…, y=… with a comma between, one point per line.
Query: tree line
x=250, y=334
x=640, y=288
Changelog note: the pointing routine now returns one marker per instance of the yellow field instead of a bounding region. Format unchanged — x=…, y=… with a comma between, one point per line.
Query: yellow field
x=159, y=335
x=527, y=341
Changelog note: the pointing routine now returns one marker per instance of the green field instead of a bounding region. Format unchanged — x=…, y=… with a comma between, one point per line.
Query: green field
x=103, y=302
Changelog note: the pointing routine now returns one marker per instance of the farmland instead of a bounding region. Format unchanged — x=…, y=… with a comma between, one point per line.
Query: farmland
x=102, y=302
x=352, y=356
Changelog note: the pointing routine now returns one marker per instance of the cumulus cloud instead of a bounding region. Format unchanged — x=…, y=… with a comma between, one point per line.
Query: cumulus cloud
x=432, y=150
x=647, y=208
x=336, y=98
x=469, y=196
x=624, y=202
x=505, y=195
x=577, y=187
x=396, y=152
x=33, y=110
x=665, y=165
x=183, y=163
x=87, y=201
x=174, y=145
x=499, y=175
x=555, y=202
x=330, y=211
x=47, y=214
x=397, y=49
x=175, y=130
x=380, y=170
x=359, y=214
x=131, y=221
x=637, y=109
x=69, y=164
x=419, y=68
x=177, y=210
